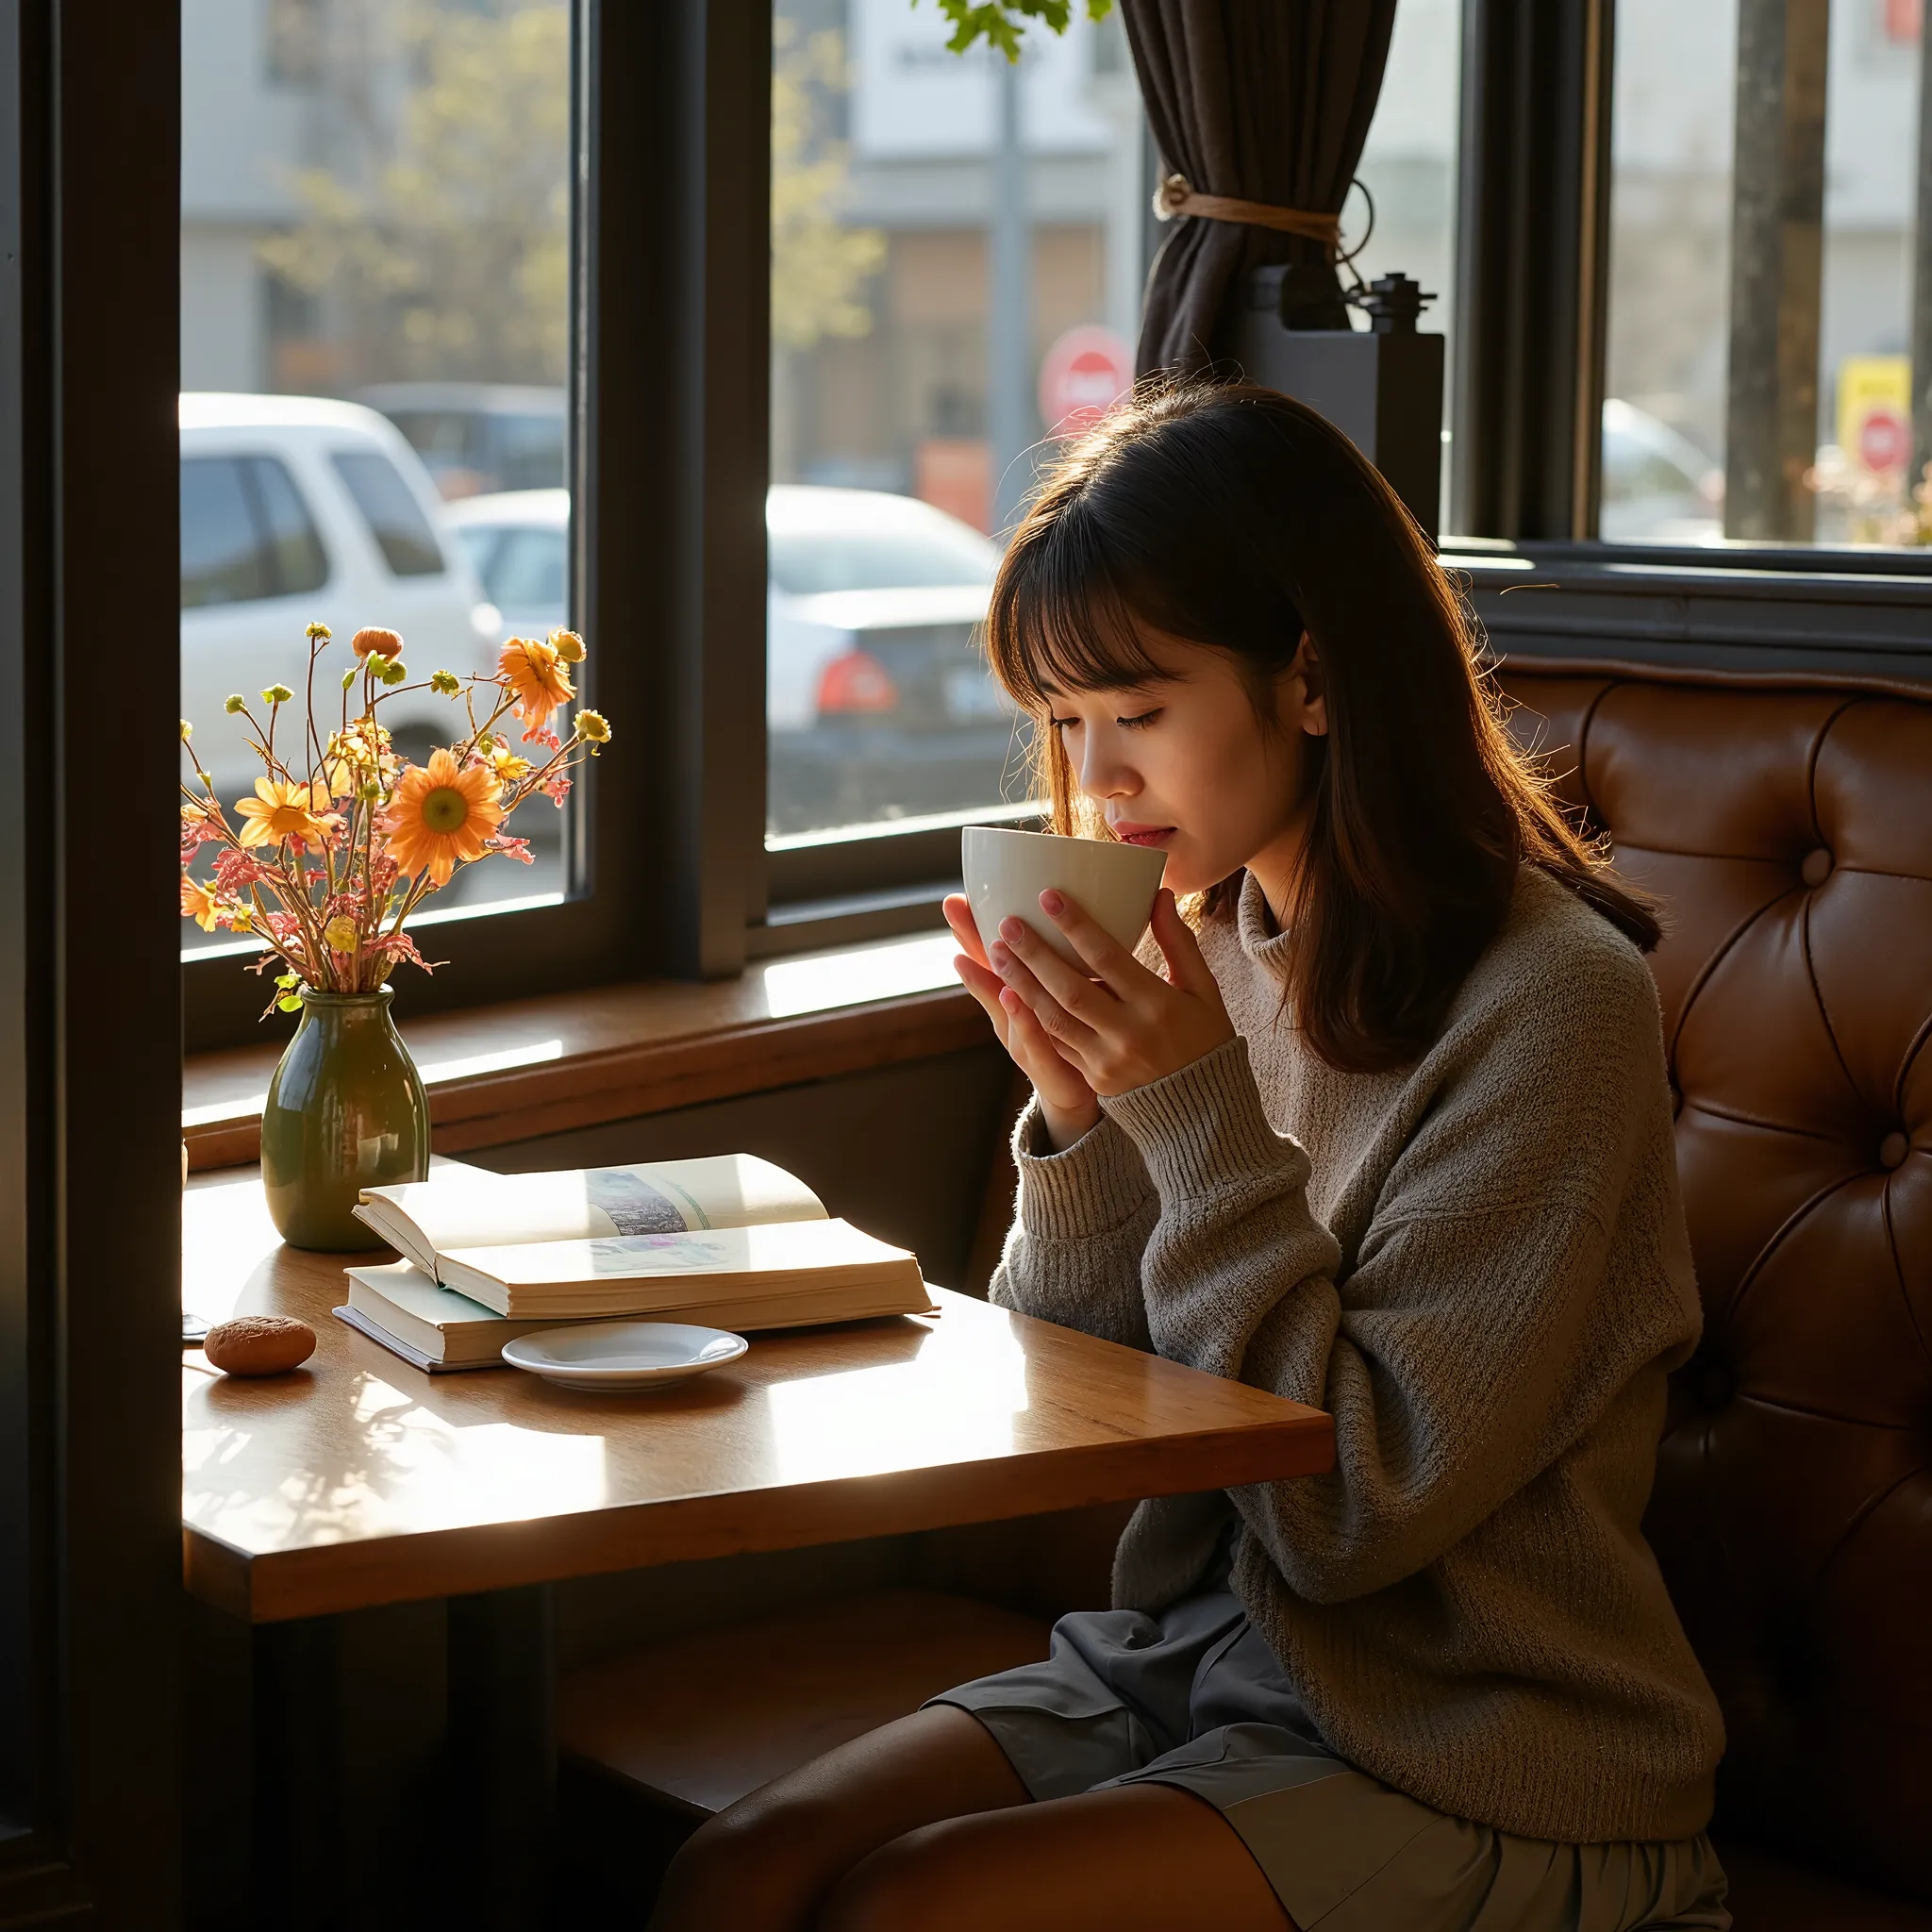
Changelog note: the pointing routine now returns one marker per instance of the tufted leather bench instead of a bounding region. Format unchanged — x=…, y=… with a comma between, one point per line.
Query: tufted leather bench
x=1786, y=825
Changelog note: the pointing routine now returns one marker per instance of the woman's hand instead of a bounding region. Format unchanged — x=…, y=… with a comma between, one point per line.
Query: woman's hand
x=1116, y=1023
x=1067, y=1105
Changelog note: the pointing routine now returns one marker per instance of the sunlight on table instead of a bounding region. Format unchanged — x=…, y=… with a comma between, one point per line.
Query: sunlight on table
x=411, y=1469
x=860, y=1421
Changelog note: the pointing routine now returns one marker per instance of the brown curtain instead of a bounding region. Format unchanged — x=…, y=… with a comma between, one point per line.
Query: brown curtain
x=1264, y=100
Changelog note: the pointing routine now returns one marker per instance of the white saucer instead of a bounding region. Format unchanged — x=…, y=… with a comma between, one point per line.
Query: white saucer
x=623, y=1355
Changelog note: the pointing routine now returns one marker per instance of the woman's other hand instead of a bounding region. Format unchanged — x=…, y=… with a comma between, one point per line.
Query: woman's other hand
x=1067, y=1105
x=1113, y=1022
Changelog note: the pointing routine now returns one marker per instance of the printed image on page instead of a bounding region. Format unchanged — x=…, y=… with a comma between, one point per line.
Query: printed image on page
x=482, y=1210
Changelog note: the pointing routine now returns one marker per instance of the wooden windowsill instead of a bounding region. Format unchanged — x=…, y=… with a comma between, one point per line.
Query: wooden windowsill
x=541, y=1066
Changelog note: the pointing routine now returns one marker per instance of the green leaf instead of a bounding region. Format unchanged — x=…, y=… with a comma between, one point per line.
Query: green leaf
x=1001, y=23
x=289, y=1003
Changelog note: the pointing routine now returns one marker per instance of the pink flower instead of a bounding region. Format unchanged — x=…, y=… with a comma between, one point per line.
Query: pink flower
x=557, y=790
x=518, y=849
x=235, y=871
x=400, y=946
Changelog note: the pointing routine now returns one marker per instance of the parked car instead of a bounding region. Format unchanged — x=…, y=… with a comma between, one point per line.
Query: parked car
x=1659, y=486
x=478, y=438
x=878, y=697
x=294, y=511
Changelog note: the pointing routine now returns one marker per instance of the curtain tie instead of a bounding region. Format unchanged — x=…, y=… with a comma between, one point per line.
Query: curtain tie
x=1176, y=195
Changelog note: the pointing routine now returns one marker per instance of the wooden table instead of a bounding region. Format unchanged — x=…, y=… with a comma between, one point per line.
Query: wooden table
x=359, y=1481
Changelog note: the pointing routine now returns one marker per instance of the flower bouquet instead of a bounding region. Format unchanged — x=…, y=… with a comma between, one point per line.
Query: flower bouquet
x=339, y=845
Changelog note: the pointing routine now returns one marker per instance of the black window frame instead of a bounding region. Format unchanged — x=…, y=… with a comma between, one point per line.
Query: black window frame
x=90, y=1598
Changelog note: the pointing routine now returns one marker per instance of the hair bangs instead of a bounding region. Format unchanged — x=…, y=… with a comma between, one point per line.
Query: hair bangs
x=1063, y=620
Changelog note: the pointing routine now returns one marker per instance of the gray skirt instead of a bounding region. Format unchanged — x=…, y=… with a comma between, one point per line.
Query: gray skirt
x=1195, y=1698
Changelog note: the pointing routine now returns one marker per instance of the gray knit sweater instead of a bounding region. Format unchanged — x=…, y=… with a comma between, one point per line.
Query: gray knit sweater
x=1478, y=1265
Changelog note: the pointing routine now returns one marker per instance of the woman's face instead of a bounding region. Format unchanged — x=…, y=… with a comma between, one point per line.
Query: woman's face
x=1183, y=762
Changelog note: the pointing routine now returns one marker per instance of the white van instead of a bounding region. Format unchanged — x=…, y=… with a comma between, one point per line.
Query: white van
x=297, y=510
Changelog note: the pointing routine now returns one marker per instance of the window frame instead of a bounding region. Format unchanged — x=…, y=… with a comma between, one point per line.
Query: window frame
x=89, y=1307
x=663, y=851
x=1533, y=258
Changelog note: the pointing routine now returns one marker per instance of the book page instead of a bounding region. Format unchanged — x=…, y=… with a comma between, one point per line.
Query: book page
x=477, y=1209
x=757, y=1252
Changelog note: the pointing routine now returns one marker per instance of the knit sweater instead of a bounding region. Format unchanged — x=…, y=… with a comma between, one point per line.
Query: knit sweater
x=1478, y=1265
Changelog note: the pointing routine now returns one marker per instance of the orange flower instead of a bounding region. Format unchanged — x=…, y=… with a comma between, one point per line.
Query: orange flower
x=440, y=814
x=372, y=641
x=198, y=903
x=535, y=673
x=298, y=814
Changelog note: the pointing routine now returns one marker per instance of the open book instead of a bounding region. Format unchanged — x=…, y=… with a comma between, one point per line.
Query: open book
x=732, y=1241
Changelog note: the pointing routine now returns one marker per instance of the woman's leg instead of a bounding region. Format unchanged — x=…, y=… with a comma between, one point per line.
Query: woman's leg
x=1132, y=1859
x=764, y=1864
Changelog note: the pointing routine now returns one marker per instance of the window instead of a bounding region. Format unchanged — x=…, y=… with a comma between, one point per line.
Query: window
x=1769, y=286
x=394, y=518
x=1409, y=166
x=957, y=250
x=375, y=238
x=297, y=560
x=246, y=533
x=223, y=559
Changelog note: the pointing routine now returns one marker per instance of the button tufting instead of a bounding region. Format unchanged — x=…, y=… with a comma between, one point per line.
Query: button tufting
x=1817, y=867
x=1894, y=1149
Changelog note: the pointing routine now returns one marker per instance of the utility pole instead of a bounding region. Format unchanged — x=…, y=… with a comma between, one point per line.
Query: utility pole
x=1777, y=258
x=1921, y=268
x=1010, y=320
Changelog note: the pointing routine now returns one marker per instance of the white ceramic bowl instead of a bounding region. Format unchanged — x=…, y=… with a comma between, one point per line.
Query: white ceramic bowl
x=1006, y=872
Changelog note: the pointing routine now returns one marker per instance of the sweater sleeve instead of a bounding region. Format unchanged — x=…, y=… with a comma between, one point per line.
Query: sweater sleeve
x=1074, y=1252
x=1475, y=1339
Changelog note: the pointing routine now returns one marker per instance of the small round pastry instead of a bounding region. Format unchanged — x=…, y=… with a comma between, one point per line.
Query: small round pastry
x=259, y=1344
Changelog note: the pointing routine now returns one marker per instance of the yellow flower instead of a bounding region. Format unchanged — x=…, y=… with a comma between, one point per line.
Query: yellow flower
x=507, y=766
x=198, y=903
x=371, y=642
x=440, y=815
x=320, y=633
x=340, y=933
x=534, y=672
x=294, y=814
x=568, y=646
x=357, y=757
x=186, y=731
x=593, y=726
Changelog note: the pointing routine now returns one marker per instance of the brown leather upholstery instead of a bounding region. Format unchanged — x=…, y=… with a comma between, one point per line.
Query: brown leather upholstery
x=1789, y=832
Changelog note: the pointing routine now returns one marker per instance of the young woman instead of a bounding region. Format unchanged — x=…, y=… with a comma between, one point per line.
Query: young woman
x=1389, y=1134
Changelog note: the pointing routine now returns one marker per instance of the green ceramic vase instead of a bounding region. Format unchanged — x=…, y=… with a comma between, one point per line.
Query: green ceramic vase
x=345, y=1111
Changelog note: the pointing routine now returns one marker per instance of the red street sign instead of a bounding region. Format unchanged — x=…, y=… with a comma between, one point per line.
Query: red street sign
x=1884, y=441
x=1083, y=374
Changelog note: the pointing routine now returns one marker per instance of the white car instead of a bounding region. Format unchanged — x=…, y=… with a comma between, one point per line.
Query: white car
x=878, y=697
x=297, y=510
x=1657, y=485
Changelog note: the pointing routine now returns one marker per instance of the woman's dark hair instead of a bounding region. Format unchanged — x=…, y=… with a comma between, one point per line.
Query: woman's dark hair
x=1230, y=516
